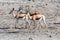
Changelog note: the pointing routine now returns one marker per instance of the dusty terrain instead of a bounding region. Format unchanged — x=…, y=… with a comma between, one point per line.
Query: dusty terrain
x=50, y=8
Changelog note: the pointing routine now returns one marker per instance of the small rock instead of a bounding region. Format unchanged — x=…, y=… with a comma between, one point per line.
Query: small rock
x=50, y=36
x=30, y=39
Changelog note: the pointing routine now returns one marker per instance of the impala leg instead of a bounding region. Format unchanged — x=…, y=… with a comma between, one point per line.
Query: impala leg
x=16, y=23
x=43, y=17
x=27, y=21
x=23, y=17
x=35, y=25
x=34, y=19
x=45, y=23
x=40, y=22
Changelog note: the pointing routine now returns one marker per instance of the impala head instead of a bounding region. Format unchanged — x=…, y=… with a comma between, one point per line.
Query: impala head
x=31, y=11
x=37, y=12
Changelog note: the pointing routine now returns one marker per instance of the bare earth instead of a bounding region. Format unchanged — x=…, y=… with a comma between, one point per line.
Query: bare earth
x=51, y=9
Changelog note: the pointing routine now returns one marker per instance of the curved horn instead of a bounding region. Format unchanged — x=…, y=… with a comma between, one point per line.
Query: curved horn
x=11, y=11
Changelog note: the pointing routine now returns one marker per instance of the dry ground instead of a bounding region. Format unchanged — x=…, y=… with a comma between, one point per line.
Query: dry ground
x=51, y=11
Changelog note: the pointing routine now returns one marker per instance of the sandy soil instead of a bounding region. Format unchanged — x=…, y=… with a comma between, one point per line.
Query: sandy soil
x=51, y=9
